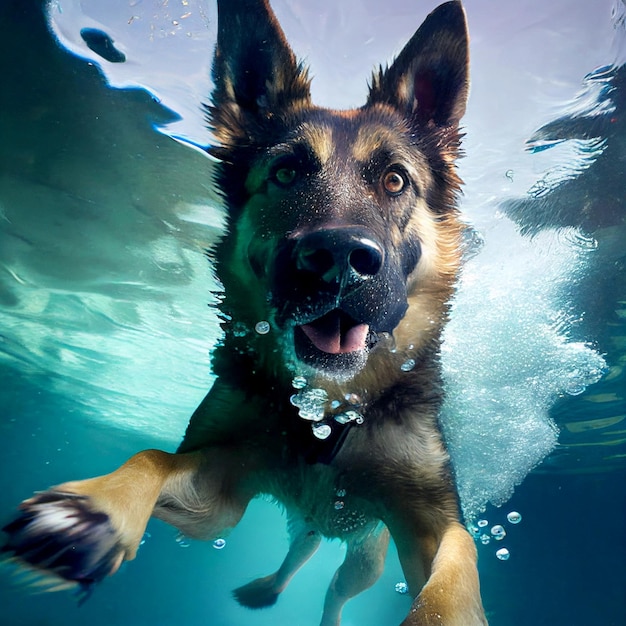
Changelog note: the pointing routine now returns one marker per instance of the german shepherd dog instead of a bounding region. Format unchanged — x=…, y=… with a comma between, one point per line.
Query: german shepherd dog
x=341, y=256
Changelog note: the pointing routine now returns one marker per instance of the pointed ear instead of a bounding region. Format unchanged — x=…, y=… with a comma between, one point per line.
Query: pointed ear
x=429, y=81
x=254, y=68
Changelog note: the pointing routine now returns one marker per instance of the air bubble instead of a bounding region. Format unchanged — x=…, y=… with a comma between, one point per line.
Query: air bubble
x=341, y=492
x=408, y=365
x=145, y=538
x=310, y=403
x=321, y=431
x=503, y=554
x=335, y=404
x=299, y=382
x=482, y=523
x=349, y=416
x=401, y=588
x=339, y=504
x=498, y=532
x=262, y=327
x=219, y=544
x=485, y=539
x=353, y=398
x=514, y=517
x=182, y=541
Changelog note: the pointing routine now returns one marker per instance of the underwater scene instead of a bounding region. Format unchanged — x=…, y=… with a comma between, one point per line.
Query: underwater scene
x=109, y=213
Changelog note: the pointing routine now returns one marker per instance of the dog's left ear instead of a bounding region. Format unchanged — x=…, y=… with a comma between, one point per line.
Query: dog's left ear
x=254, y=69
x=429, y=80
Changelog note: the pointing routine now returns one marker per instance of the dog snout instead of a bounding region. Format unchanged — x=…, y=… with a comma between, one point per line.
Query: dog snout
x=339, y=255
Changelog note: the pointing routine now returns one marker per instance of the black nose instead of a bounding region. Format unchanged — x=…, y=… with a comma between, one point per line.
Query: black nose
x=339, y=255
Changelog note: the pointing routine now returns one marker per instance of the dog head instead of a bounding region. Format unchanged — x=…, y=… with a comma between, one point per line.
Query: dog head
x=343, y=227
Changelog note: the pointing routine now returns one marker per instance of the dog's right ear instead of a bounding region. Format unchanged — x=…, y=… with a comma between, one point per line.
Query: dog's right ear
x=254, y=69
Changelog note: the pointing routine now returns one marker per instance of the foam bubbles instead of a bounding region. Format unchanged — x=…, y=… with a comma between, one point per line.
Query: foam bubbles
x=506, y=360
x=311, y=403
x=401, y=588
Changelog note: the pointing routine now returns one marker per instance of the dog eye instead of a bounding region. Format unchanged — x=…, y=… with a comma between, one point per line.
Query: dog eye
x=284, y=174
x=394, y=182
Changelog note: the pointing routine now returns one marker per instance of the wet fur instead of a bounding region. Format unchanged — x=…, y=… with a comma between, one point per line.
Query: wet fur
x=246, y=438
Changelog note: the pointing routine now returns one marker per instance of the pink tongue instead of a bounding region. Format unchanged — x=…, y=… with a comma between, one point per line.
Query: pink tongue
x=329, y=338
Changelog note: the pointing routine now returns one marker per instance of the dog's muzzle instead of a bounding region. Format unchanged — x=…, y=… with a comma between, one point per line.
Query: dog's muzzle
x=337, y=289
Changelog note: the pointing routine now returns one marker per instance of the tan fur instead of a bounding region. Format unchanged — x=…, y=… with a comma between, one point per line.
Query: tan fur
x=450, y=570
x=320, y=138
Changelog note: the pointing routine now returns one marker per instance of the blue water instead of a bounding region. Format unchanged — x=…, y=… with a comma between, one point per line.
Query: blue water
x=105, y=333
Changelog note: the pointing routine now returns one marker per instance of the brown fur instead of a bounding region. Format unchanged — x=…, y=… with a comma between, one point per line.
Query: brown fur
x=377, y=187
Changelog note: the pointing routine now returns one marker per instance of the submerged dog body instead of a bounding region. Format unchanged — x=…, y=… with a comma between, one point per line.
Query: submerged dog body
x=341, y=255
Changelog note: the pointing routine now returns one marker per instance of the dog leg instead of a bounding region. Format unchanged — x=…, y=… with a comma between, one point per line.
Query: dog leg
x=264, y=591
x=451, y=595
x=362, y=567
x=82, y=531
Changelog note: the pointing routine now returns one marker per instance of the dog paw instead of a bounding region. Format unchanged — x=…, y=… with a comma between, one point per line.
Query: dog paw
x=259, y=593
x=60, y=535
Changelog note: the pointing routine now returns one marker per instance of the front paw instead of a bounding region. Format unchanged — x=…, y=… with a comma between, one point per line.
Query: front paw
x=60, y=534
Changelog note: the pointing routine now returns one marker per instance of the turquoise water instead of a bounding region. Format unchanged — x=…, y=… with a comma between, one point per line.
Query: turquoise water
x=105, y=331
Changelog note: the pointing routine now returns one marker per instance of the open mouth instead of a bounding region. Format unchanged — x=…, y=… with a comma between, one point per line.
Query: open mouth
x=335, y=333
